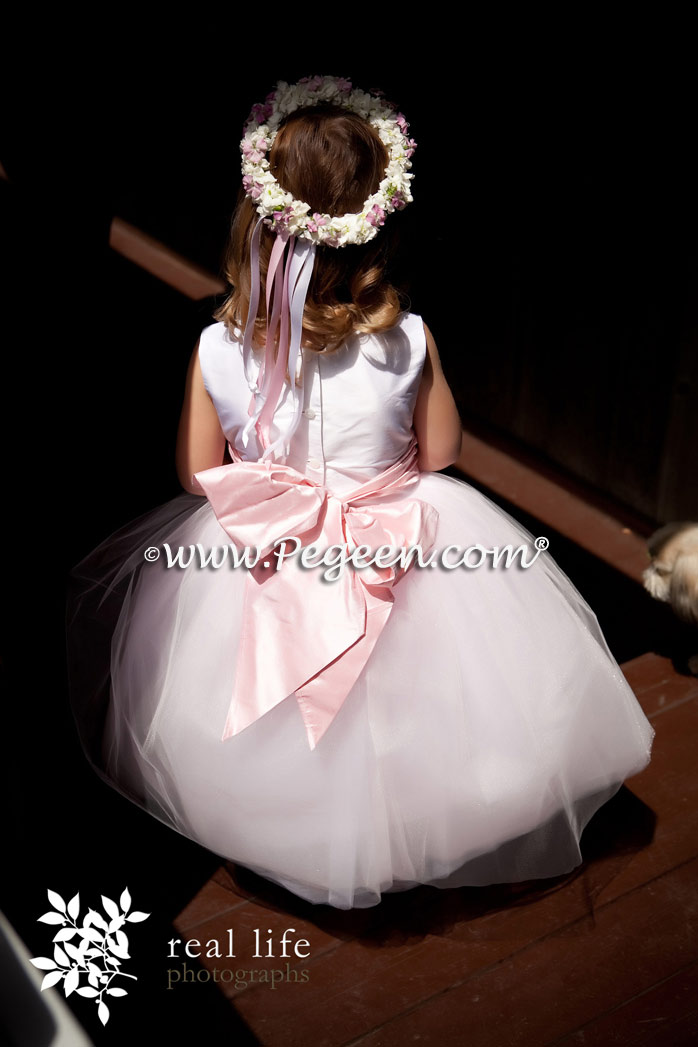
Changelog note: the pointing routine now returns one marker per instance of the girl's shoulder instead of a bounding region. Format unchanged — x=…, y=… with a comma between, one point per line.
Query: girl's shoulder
x=219, y=365
x=219, y=334
x=405, y=339
x=408, y=327
x=216, y=341
x=409, y=320
x=413, y=325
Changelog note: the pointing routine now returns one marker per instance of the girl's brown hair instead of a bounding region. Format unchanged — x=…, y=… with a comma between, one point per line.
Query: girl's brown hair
x=333, y=160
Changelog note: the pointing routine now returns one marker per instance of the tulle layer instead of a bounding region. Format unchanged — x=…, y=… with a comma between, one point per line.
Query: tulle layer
x=488, y=726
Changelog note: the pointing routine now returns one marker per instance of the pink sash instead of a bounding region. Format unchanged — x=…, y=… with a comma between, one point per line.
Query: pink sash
x=301, y=634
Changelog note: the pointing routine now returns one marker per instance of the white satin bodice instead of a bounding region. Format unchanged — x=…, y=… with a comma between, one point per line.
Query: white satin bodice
x=358, y=402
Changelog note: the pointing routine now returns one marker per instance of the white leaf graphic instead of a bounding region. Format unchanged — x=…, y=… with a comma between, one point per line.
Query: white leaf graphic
x=61, y=958
x=95, y=918
x=65, y=934
x=90, y=934
x=56, y=900
x=51, y=917
x=119, y=950
x=93, y=949
x=110, y=908
x=72, y=980
x=50, y=979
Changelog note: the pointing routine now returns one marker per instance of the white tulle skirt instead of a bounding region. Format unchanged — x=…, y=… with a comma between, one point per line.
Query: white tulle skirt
x=488, y=726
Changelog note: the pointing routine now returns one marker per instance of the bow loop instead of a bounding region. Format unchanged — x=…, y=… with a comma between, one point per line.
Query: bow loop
x=387, y=528
x=257, y=503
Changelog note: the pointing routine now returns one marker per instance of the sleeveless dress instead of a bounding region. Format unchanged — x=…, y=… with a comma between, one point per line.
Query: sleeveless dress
x=487, y=725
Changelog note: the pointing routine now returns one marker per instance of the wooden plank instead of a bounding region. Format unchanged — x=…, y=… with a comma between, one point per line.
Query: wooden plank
x=666, y=803
x=155, y=257
x=213, y=900
x=666, y=1014
x=597, y=531
x=548, y=990
x=657, y=685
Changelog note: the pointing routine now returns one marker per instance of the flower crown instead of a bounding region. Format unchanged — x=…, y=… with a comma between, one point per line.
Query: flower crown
x=280, y=209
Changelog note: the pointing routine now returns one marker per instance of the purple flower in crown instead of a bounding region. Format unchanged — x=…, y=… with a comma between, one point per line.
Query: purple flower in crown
x=343, y=85
x=252, y=188
x=313, y=83
x=255, y=154
x=261, y=112
x=398, y=201
x=315, y=222
x=376, y=216
x=281, y=218
x=402, y=123
x=411, y=146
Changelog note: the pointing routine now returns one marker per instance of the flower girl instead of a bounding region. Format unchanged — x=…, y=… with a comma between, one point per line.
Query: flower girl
x=436, y=709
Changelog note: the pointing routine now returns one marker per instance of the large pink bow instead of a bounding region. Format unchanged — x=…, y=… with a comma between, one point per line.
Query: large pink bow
x=302, y=634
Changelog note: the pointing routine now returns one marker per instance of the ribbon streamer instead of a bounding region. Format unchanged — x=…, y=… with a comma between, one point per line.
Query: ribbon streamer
x=288, y=278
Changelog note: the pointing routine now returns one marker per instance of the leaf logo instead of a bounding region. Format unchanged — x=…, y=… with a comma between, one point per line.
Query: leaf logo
x=95, y=948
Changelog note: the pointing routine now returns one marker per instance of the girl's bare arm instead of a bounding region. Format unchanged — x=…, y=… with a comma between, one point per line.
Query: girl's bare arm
x=436, y=419
x=200, y=439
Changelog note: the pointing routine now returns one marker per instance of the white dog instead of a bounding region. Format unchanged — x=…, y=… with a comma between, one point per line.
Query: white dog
x=673, y=574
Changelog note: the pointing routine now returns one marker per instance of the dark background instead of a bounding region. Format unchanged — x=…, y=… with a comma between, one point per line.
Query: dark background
x=551, y=248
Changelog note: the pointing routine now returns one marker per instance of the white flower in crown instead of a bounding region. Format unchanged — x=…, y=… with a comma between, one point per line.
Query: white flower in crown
x=280, y=209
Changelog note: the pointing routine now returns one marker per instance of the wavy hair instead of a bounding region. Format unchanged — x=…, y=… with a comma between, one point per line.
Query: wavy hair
x=333, y=160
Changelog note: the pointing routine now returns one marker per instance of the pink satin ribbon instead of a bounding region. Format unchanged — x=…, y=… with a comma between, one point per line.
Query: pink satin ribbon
x=301, y=634
x=288, y=277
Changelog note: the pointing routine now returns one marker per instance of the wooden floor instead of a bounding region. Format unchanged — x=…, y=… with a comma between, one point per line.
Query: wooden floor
x=604, y=956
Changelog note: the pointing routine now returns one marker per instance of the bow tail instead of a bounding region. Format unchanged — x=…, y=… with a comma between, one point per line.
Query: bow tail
x=320, y=698
x=295, y=626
